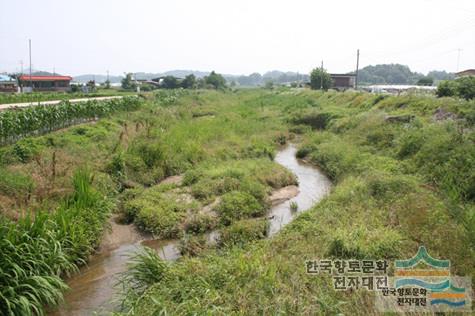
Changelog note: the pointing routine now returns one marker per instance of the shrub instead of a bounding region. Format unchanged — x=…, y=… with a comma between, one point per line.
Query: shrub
x=463, y=87
x=466, y=87
x=238, y=205
x=116, y=167
x=199, y=223
x=243, y=232
x=159, y=210
x=446, y=88
x=26, y=149
x=316, y=120
x=410, y=143
x=162, y=221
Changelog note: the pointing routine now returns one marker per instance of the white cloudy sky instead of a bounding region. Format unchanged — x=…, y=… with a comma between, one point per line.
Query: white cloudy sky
x=235, y=36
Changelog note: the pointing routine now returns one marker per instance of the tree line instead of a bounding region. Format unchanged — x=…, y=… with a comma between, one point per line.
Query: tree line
x=212, y=81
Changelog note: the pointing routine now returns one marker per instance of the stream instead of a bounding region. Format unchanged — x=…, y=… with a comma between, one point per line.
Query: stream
x=92, y=289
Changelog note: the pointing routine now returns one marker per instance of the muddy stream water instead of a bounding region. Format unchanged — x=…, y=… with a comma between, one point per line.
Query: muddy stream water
x=93, y=290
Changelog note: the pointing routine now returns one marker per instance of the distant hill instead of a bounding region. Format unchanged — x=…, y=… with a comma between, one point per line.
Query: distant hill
x=378, y=74
x=141, y=76
x=396, y=74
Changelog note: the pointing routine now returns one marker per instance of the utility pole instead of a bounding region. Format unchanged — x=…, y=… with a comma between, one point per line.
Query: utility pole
x=357, y=67
x=29, y=46
x=321, y=76
x=21, y=63
x=107, y=75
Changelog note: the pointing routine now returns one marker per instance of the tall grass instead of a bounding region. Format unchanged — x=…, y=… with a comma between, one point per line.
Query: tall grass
x=40, y=248
x=398, y=184
x=145, y=268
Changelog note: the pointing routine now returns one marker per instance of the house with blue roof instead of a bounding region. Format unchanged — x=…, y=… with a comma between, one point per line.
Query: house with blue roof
x=8, y=84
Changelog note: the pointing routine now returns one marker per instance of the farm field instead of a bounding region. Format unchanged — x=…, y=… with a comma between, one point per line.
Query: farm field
x=402, y=172
x=12, y=98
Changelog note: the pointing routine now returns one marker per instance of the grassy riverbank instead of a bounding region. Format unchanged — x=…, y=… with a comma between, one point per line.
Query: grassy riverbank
x=129, y=149
x=403, y=169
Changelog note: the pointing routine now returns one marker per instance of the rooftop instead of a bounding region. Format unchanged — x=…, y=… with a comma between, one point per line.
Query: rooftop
x=466, y=72
x=6, y=78
x=45, y=78
x=343, y=75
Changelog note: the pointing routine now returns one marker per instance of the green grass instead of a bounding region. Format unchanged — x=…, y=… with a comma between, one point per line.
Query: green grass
x=243, y=232
x=39, y=249
x=399, y=184
x=242, y=187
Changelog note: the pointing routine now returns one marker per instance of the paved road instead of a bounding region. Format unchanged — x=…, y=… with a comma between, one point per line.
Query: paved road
x=27, y=104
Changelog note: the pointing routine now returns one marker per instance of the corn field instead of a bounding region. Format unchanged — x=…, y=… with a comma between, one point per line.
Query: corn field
x=36, y=120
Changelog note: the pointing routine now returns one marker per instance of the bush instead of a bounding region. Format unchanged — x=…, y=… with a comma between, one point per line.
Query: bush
x=116, y=167
x=243, y=232
x=26, y=149
x=238, y=205
x=160, y=211
x=410, y=143
x=199, y=223
x=317, y=120
x=463, y=87
x=446, y=88
x=466, y=87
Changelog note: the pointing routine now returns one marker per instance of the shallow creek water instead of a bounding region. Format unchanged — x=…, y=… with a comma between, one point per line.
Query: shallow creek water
x=92, y=289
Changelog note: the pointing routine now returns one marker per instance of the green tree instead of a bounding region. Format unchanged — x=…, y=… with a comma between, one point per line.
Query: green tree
x=446, y=88
x=463, y=87
x=170, y=82
x=466, y=87
x=91, y=85
x=269, y=85
x=425, y=81
x=201, y=83
x=75, y=88
x=189, y=82
x=320, y=79
x=107, y=84
x=215, y=80
x=128, y=83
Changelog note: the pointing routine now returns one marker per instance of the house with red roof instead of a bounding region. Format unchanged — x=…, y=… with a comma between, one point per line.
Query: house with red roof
x=45, y=83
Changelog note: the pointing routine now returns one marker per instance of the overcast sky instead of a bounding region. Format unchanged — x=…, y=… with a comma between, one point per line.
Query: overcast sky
x=235, y=36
